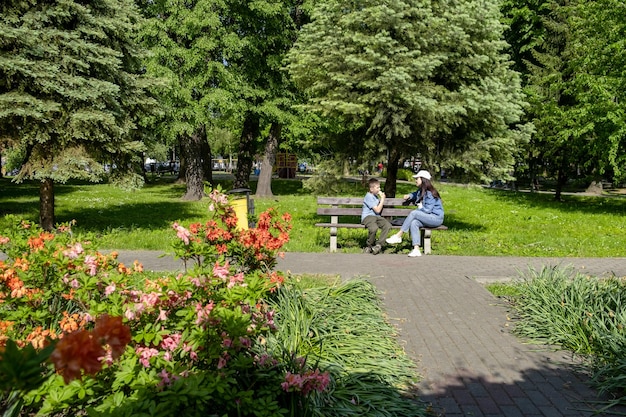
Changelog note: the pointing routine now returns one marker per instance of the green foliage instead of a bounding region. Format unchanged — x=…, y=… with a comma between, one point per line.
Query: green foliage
x=332, y=327
x=579, y=313
x=327, y=179
x=212, y=341
x=195, y=336
x=414, y=77
x=21, y=370
x=500, y=289
x=572, y=60
x=406, y=175
x=482, y=221
x=74, y=91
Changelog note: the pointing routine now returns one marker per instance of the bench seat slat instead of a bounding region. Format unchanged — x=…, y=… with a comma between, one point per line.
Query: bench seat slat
x=348, y=211
x=341, y=225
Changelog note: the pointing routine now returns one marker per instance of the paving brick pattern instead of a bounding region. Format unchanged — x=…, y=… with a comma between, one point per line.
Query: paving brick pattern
x=458, y=333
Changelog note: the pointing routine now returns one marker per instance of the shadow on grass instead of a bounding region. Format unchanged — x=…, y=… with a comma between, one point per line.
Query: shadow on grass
x=571, y=203
x=129, y=216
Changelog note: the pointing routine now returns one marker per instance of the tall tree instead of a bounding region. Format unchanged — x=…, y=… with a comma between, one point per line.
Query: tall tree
x=599, y=34
x=571, y=53
x=187, y=49
x=420, y=77
x=222, y=59
x=266, y=31
x=71, y=91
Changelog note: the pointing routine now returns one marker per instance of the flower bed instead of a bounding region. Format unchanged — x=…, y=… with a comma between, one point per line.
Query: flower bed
x=83, y=334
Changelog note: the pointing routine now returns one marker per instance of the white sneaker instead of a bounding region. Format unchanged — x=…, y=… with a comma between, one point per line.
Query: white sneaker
x=415, y=253
x=394, y=239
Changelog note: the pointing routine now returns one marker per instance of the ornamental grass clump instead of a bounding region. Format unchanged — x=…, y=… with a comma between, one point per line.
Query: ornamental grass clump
x=583, y=314
x=126, y=342
x=342, y=329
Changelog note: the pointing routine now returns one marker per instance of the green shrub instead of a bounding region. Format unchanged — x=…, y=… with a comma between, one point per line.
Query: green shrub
x=583, y=314
x=196, y=337
x=405, y=174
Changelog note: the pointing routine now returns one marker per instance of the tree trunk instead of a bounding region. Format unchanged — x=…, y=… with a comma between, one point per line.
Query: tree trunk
x=207, y=158
x=246, y=150
x=392, y=172
x=191, y=147
x=561, y=179
x=264, y=186
x=46, y=204
x=183, y=162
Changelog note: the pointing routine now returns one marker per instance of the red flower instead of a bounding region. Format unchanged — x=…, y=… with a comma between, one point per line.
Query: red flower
x=83, y=350
x=75, y=352
x=110, y=331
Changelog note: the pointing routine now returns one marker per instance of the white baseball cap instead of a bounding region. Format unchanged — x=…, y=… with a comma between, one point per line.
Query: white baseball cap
x=422, y=174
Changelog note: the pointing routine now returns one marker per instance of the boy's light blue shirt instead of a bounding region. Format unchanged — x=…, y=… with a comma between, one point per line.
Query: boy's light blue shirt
x=369, y=202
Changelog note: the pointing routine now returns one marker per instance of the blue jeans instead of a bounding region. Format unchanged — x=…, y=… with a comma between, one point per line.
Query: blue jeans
x=418, y=219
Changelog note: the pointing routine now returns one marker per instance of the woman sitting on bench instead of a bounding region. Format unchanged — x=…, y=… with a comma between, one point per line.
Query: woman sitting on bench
x=429, y=212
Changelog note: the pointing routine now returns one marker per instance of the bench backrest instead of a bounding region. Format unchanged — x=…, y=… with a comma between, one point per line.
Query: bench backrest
x=352, y=206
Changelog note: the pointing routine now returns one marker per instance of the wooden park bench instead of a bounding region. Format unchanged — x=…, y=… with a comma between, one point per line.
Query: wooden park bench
x=347, y=208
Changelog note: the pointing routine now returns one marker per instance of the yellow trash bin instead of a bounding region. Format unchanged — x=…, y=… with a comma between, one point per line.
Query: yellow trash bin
x=240, y=206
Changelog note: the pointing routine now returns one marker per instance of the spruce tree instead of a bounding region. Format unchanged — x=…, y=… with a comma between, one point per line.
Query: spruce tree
x=419, y=77
x=71, y=91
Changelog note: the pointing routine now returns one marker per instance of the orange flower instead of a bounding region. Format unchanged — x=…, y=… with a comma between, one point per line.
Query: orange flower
x=76, y=352
x=69, y=296
x=195, y=228
x=5, y=325
x=21, y=263
x=71, y=323
x=39, y=337
x=137, y=266
x=35, y=243
x=111, y=331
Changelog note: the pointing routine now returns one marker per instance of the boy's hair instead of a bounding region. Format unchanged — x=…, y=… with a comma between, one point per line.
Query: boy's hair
x=372, y=182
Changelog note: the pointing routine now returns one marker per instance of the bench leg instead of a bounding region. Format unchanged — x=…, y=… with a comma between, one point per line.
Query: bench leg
x=426, y=241
x=333, y=239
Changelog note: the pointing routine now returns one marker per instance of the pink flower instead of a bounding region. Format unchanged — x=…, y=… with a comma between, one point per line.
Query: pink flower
x=236, y=279
x=4, y=240
x=165, y=378
x=182, y=233
x=162, y=315
x=92, y=264
x=221, y=271
x=110, y=289
x=203, y=312
x=145, y=354
x=221, y=363
x=74, y=251
x=151, y=299
x=311, y=380
x=130, y=314
x=171, y=342
x=245, y=342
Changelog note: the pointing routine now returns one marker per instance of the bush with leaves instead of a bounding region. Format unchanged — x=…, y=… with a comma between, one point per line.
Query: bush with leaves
x=583, y=314
x=194, y=345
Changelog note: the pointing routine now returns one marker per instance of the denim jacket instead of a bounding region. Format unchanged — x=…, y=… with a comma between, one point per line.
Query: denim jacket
x=430, y=204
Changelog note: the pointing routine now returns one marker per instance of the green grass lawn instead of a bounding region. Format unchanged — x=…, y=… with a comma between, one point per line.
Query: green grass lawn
x=481, y=221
